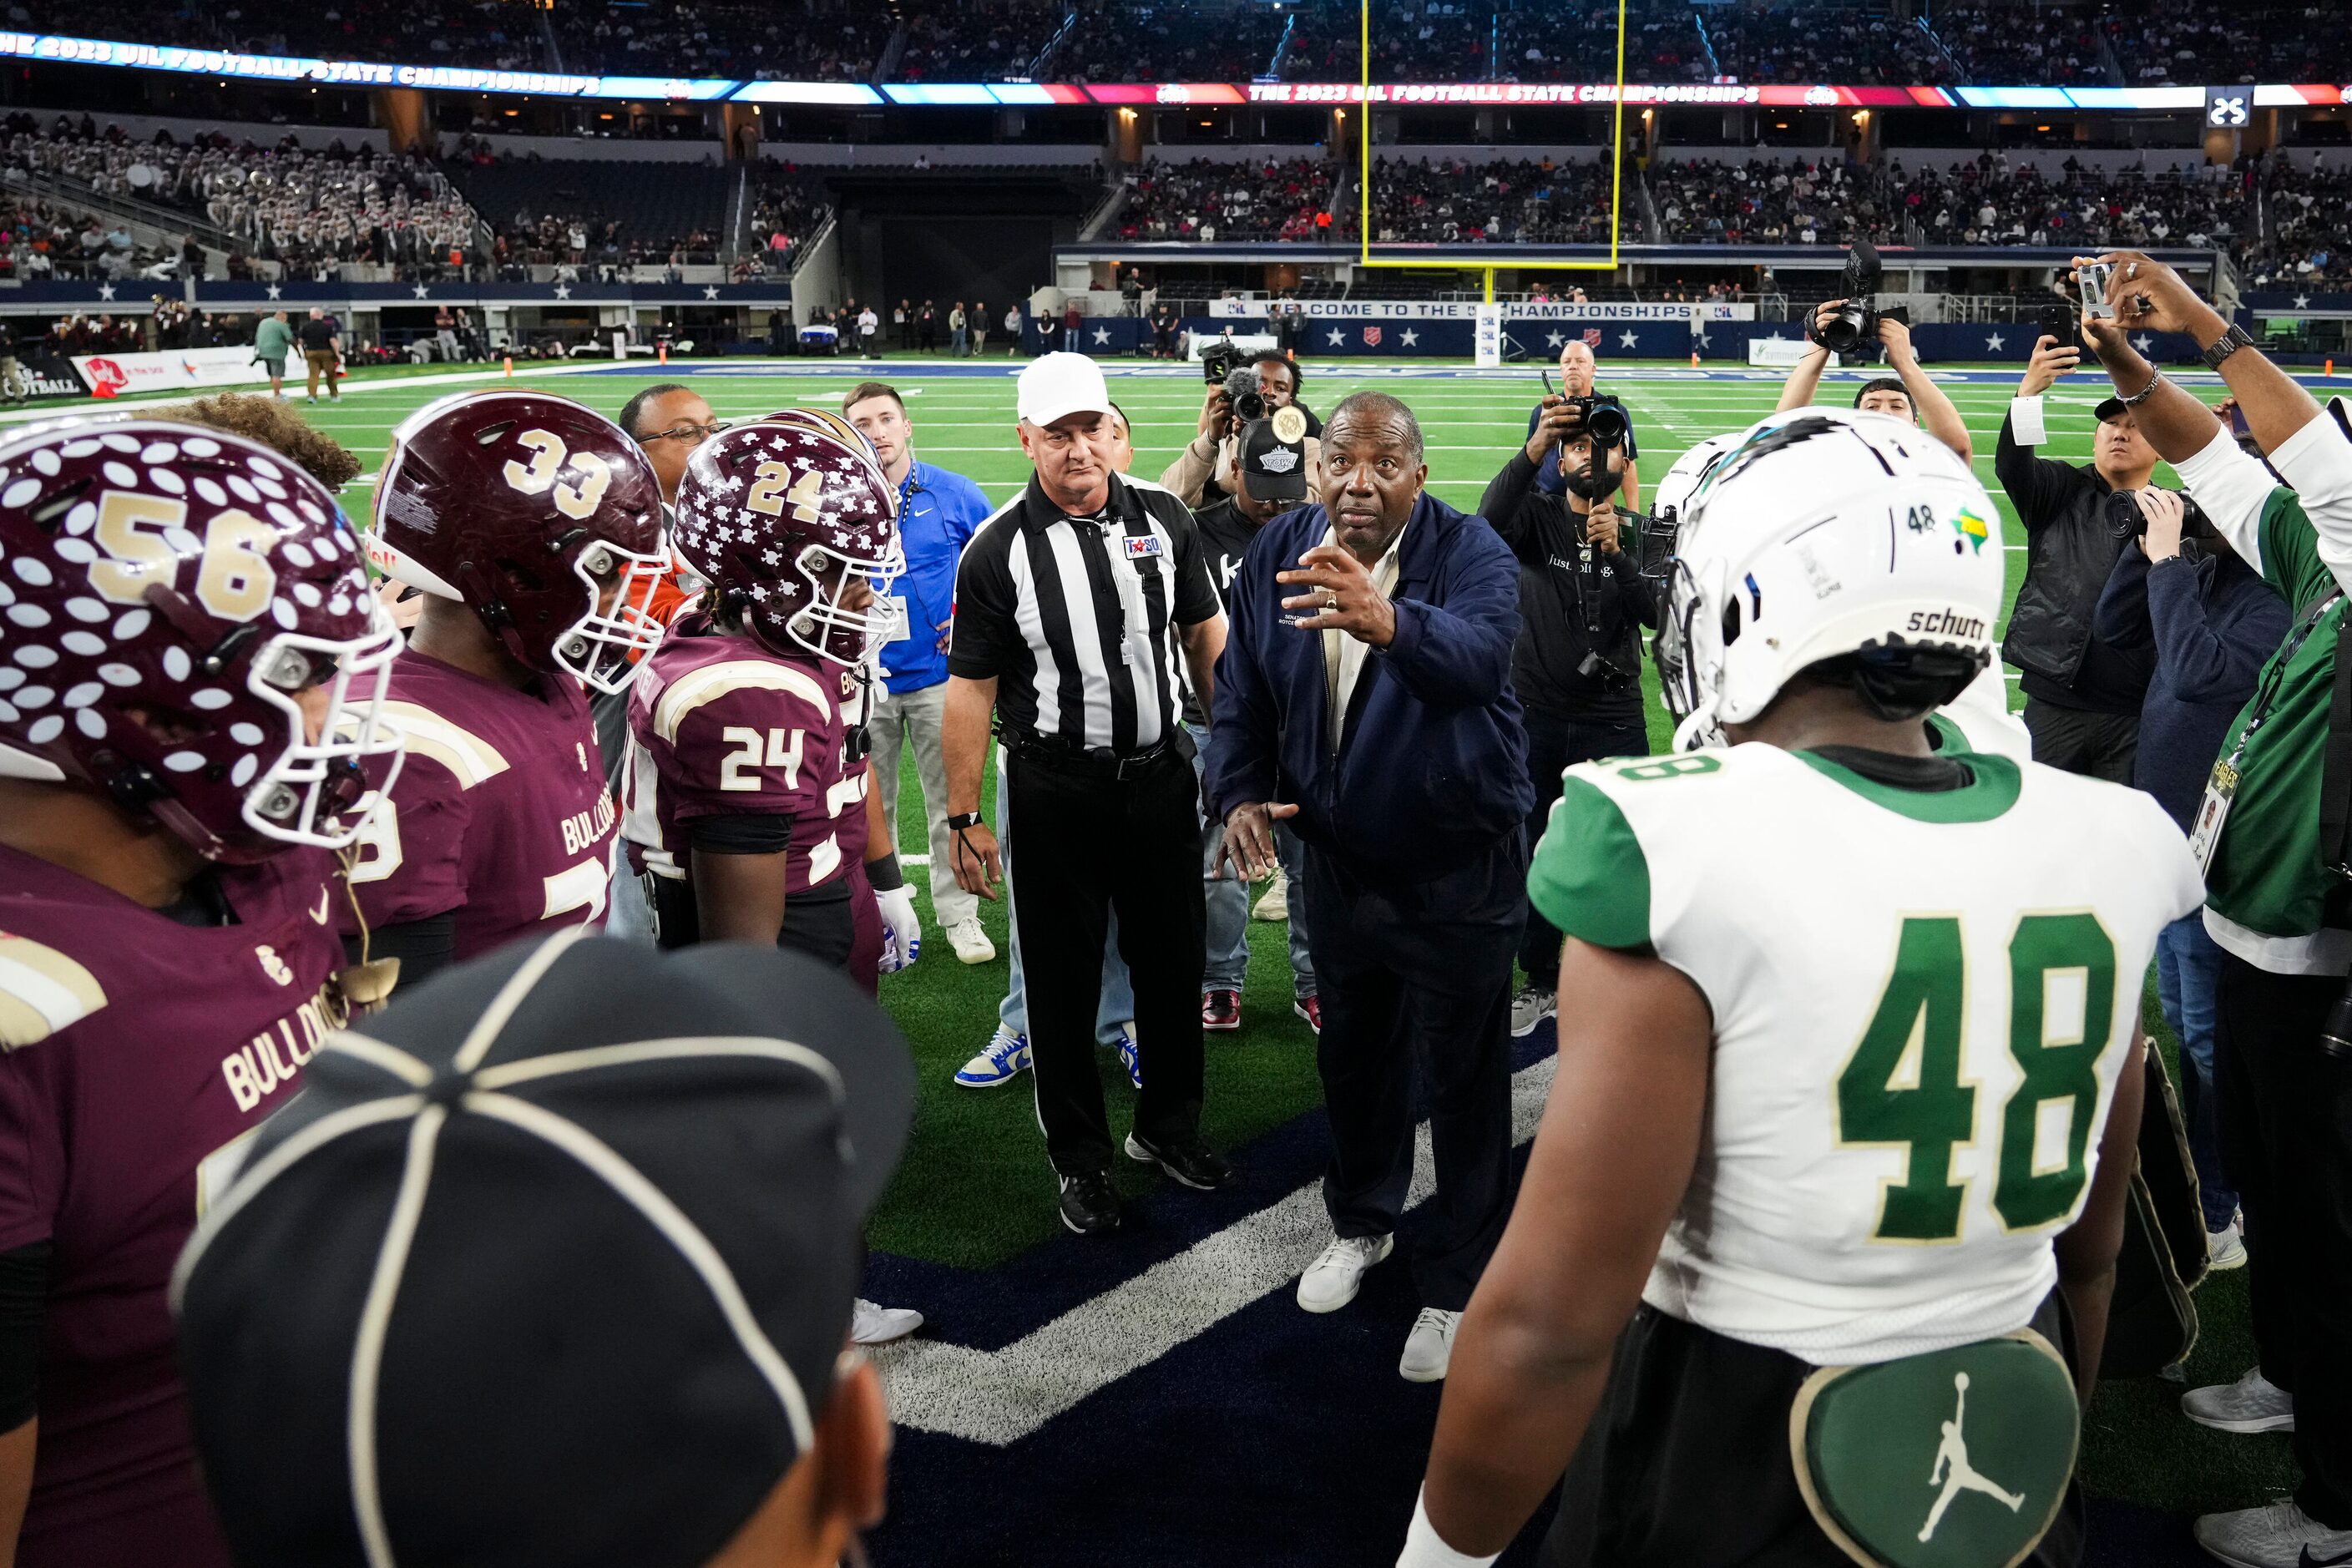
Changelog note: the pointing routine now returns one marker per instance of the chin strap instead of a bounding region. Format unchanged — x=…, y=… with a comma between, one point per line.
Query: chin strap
x=1699, y=729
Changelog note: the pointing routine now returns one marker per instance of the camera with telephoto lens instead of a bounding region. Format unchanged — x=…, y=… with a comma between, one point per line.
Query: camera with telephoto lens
x=1603, y=418
x=1856, y=321
x=1217, y=363
x=1245, y=391
x=2126, y=520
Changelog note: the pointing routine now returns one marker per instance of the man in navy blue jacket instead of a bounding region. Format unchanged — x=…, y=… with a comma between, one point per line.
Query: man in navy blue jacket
x=1365, y=696
x=2213, y=622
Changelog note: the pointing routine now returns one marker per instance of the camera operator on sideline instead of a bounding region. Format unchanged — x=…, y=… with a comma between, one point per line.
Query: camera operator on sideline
x=2083, y=695
x=1909, y=394
x=2269, y=832
x=2211, y=622
x=1577, y=369
x=1203, y=471
x=1577, y=662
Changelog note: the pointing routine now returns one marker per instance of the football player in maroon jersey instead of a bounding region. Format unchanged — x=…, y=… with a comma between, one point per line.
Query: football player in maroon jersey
x=193, y=672
x=532, y=526
x=749, y=805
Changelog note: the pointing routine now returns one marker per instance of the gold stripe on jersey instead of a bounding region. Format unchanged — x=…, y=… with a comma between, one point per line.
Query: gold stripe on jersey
x=467, y=755
x=41, y=991
x=691, y=690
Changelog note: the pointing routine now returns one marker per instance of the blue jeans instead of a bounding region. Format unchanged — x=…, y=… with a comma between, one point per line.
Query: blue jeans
x=2188, y=971
x=1118, y=1004
x=1229, y=906
x=956, y=341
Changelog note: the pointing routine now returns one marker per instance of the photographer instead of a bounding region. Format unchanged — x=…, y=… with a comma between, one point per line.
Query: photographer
x=1909, y=394
x=2082, y=696
x=2211, y=621
x=2269, y=831
x=1253, y=389
x=1578, y=369
x=1577, y=662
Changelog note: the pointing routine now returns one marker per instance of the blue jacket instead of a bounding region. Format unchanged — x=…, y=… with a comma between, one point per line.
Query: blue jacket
x=936, y=522
x=1433, y=767
x=2213, y=623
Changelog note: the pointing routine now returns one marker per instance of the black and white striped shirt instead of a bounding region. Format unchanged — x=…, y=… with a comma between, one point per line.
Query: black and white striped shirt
x=1076, y=619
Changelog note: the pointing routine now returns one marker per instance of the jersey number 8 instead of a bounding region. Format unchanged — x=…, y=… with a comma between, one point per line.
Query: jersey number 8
x=1902, y=1086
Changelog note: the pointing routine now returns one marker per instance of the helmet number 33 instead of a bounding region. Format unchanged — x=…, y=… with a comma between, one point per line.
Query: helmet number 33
x=576, y=498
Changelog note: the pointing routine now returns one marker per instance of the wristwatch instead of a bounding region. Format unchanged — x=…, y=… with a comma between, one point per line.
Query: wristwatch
x=2227, y=343
x=963, y=819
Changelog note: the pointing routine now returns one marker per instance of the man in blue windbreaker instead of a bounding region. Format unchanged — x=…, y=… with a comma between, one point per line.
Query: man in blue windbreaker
x=937, y=512
x=1364, y=697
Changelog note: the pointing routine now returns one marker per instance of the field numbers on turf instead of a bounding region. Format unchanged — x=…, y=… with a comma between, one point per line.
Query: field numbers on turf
x=1901, y=1087
x=755, y=750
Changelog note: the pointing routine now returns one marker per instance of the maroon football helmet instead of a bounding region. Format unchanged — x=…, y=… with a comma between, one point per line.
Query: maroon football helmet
x=529, y=508
x=781, y=519
x=186, y=625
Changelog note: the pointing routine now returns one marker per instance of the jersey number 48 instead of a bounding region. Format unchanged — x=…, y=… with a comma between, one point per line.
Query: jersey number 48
x=1902, y=1086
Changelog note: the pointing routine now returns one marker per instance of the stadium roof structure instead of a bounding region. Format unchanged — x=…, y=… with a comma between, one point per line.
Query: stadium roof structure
x=64, y=49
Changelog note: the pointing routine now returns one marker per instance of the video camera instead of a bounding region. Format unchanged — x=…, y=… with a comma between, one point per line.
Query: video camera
x=1225, y=365
x=2126, y=520
x=1856, y=321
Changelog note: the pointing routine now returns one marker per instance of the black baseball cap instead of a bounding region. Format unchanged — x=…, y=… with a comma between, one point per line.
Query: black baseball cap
x=2108, y=408
x=549, y=1263
x=1273, y=456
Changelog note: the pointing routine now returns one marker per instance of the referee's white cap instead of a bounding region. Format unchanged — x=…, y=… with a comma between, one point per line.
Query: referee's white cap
x=1053, y=387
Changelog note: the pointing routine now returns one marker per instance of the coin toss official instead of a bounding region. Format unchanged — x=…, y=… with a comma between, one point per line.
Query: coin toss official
x=1073, y=605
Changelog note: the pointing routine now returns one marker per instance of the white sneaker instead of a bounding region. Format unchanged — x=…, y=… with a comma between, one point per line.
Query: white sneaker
x=1332, y=1280
x=2278, y=1536
x=873, y=1325
x=2252, y=1403
x=2224, y=1248
x=1531, y=1005
x=1429, y=1349
x=971, y=943
x=1275, y=904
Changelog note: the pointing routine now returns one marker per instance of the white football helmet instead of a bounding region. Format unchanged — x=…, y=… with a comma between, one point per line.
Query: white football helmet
x=1824, y=532
x=1670, y=496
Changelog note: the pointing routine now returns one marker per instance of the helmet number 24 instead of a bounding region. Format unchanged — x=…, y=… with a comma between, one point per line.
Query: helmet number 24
x=768, y=493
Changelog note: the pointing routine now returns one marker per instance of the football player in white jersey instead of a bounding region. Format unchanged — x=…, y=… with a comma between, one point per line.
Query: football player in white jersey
x=1850, y=1065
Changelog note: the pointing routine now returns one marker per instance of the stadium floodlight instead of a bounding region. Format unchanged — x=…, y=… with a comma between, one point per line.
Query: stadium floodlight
x=1481, y=258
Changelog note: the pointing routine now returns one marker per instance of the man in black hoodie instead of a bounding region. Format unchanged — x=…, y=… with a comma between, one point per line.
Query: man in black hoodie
x=1576, y=665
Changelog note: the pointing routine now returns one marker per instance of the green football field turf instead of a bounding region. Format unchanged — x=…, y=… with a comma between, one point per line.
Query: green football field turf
x=975, y=1188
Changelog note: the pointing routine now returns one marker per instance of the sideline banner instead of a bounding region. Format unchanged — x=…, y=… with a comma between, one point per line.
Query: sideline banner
x=1464, y=311
x=109, y=375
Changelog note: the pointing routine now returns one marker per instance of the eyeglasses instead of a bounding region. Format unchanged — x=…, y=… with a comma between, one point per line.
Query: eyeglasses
x=696, y=434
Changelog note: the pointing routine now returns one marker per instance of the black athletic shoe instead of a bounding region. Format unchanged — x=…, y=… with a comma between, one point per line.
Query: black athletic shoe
x=1190, y=1162
x=1089, y=1206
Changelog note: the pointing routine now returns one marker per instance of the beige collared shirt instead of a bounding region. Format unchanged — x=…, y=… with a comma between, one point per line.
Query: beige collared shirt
x=1343, y=653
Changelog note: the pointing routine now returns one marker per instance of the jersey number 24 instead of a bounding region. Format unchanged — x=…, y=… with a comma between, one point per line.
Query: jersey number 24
x=1902, y=1086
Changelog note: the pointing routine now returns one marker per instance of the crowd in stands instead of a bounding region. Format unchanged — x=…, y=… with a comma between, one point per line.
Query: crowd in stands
x=2310, y=213
x=787, y=207
x=497, y=34
x=821, y=41
x=1167, y=42
x=1522, y=202
x=2174, y=41
x=1209, y=200
x=39, y=243
x=1578, y=43
x=2056, y=46
x=994, y=40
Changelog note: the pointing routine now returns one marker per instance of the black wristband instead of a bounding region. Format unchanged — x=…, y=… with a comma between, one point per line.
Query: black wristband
x=963, y=819
x=883, y=874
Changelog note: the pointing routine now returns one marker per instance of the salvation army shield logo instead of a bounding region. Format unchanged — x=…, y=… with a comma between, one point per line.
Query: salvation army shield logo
x=1592, y=337
x=1371, y=337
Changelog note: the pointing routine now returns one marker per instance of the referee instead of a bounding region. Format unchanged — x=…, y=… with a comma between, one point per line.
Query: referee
x=1072, y=604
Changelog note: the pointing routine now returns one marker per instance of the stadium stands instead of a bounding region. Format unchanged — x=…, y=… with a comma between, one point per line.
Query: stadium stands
x=1208, y=200
x=817, y=42
x=788, y=206
x=574, y=212
x=993, y=41
x=1113, y=43
x=1520, y=201
x=2001, y=44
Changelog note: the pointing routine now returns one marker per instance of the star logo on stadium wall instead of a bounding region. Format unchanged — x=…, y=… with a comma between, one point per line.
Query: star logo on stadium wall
x=1338, y=337
x=106, y=290
x=1628, y=338
x=1409, y=337
x=418, y=292
x=2301, y=300
x=275, y=291
x=1992, y=344
x=709, y=292
x=564, y=291
x=2143, y=343
x=1102, y=336
x=1553, y=340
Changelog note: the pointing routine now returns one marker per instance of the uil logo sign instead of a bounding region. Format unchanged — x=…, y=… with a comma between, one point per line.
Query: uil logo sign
x=1954, y=1459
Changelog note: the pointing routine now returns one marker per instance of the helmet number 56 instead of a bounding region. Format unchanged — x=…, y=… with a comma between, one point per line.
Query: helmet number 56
x=233, y=577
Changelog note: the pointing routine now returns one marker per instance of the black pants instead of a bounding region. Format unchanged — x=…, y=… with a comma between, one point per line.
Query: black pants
x=2098, y=745
x=1686, y=1462
x=1422, y=971
x=1090, y=844
x=2287, y=1137
x=820, y=923
x=1554, y=743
